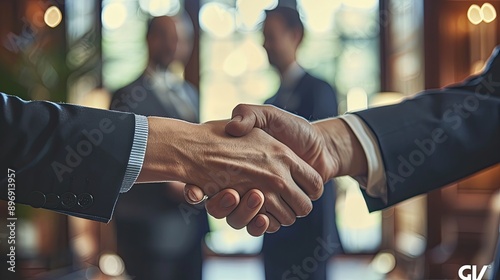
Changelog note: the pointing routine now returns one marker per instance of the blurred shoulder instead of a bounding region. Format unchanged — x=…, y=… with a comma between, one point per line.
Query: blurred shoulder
x=137, y=89
x=318, y=84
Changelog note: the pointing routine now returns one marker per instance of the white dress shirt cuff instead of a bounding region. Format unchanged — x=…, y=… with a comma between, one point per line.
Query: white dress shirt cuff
x=137, y=153
x=375, y=183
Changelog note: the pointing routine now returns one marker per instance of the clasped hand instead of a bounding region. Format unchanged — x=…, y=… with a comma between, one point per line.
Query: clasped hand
x=283, y=162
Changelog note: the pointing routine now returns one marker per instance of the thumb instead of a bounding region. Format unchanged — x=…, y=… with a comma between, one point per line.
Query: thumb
x=193, y=194
x=244, y=118
x=283, y=126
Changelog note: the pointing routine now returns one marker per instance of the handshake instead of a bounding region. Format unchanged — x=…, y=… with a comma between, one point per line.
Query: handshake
x=262, y=169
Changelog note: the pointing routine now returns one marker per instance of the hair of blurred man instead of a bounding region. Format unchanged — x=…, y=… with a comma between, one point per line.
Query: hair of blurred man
x=283, y=32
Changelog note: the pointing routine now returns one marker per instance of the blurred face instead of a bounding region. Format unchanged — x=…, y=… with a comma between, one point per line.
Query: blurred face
x=162, y=42
x=280, y=42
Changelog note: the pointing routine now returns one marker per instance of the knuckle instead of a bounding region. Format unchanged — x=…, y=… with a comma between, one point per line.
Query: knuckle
x=317, y=187
x=279, y=183
x=241, y=107
x=279, y=149
x=284, y=153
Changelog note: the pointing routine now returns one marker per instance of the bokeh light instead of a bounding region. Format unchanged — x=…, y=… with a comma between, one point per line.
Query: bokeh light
x=217, y=19
x=410, y=243
x=158, y=8
x=474, y=14
x=357, y=99
x=113, y=15
x=256, y=53
x=360, y=4
x=318, y=15
x=111, y=265
x=235, y=64
x=250, y=13
x=488, y=12
x=383, y=262
x=52, y=16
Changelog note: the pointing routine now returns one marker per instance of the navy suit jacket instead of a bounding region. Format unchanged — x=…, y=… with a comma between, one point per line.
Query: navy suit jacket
x=439, y=136
x=66, y=158
x=312, y=98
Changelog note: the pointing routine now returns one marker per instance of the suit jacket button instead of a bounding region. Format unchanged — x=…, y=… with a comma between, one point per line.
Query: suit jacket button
x=53, y=200
x=37, y=199
x=85, y=200
x=68, y=200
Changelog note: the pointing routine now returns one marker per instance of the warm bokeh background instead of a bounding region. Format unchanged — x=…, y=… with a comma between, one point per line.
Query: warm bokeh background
x=374, y=52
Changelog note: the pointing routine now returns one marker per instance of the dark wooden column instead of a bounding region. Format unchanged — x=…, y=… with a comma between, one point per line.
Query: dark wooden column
x=192, y=71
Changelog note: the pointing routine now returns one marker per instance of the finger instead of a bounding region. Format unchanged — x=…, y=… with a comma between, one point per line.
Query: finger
x=250, y=205
x=280, y=210
x=274, y=225
x=306, y=178
x=296, y=200
x=292, y=194
x=193, y=194
x=223, y=203
x=258, y=225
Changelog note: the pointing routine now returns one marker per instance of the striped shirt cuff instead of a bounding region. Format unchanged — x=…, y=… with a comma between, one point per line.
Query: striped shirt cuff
x=137, y=153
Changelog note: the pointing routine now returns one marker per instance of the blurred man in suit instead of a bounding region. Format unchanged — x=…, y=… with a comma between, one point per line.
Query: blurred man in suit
x=307, y=96
x=159, y=236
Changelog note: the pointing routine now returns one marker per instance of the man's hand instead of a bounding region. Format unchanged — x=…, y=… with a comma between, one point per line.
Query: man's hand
x=329, y=146
x=238, y=214
x=305, y=140
x=205, y=156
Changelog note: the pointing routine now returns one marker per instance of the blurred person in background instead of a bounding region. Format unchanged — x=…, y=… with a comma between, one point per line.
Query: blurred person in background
x=307, y=96
x=159, y=236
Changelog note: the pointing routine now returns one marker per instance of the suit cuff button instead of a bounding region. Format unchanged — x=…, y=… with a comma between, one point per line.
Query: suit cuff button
x=85, y=200
x=68, y=200
x=53, y=200
x=37, y=199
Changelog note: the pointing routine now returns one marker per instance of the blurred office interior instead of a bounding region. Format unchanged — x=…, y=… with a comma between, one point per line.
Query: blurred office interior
x=374, y=52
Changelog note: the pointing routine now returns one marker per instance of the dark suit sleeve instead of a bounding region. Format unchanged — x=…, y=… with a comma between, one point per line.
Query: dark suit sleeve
x=439, y=136
x=324, y=102
x=66, y=158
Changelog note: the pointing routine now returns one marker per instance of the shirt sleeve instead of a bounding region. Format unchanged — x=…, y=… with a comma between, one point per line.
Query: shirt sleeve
x=137, y=153
x=375, y=183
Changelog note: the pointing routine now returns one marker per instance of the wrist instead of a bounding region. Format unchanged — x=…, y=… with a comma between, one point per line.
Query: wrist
x=165, y=151
x=343, y=148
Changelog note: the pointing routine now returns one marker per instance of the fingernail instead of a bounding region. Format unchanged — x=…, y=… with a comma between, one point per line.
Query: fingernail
x=227, y=201
x=254, y=200
x=192, y=196
x=260, y=222
x=237, y=118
